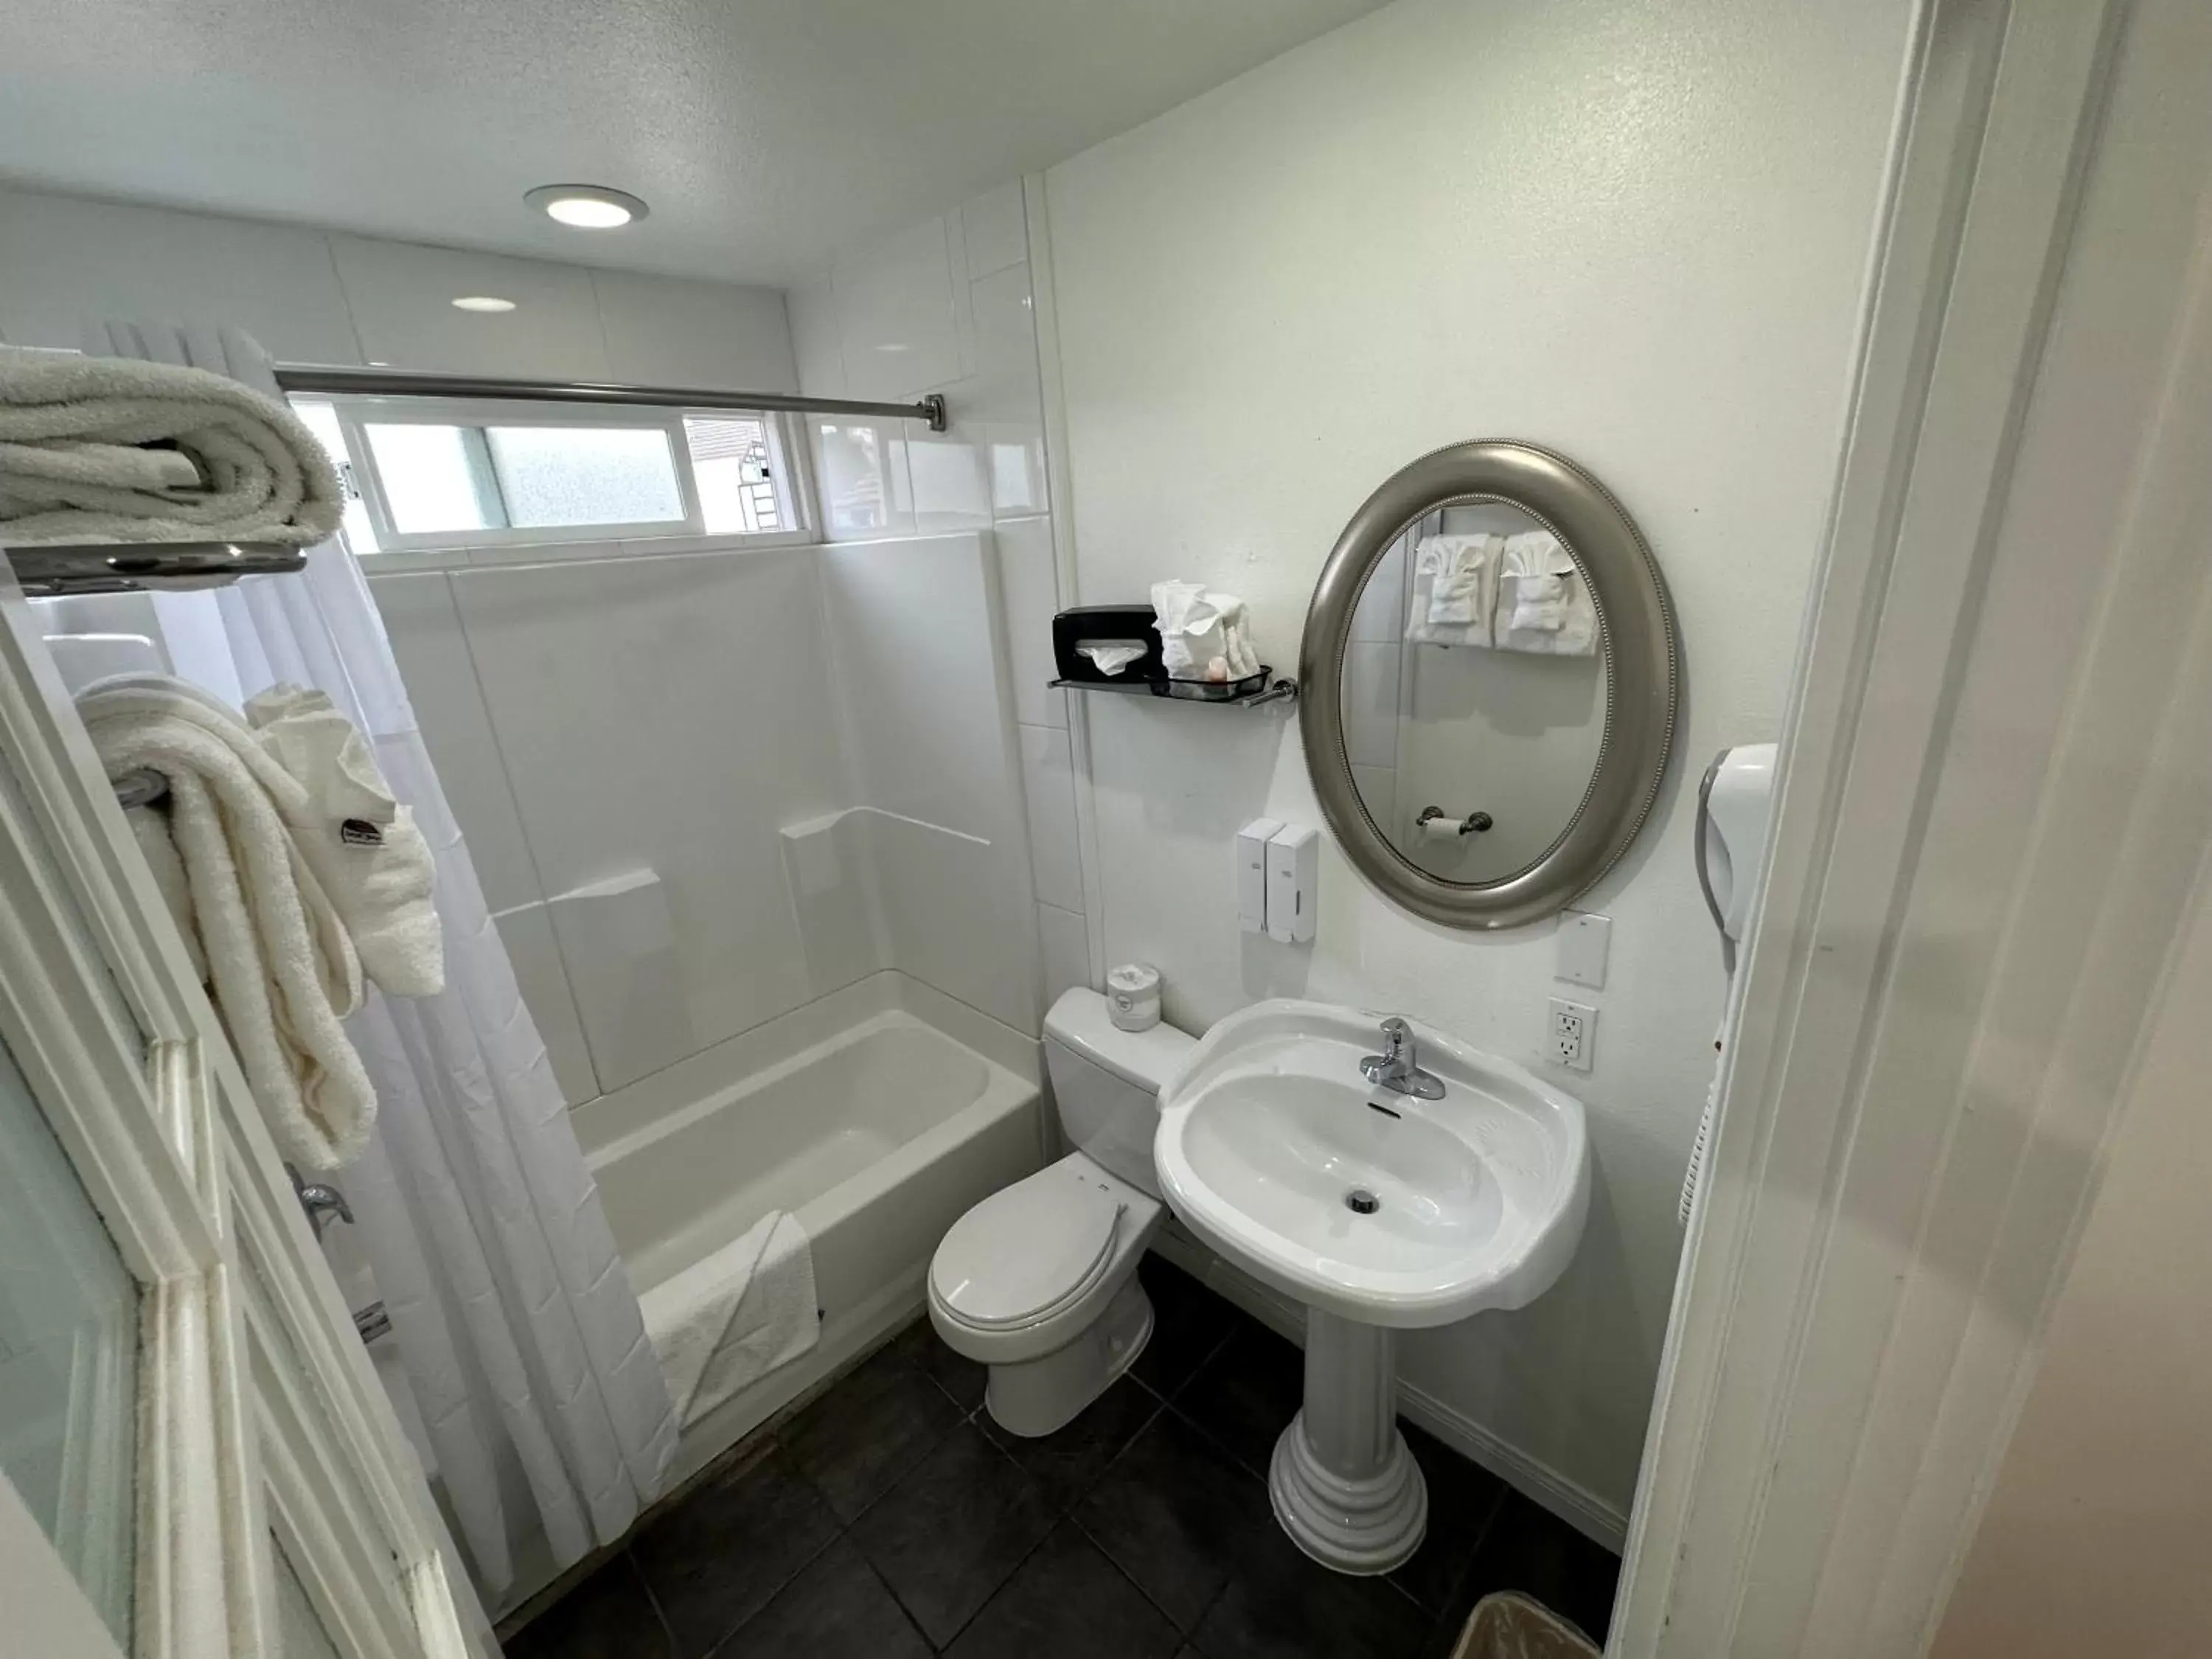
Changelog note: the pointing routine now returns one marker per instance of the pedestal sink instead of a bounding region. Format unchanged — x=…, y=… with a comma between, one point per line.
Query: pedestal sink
x=1380, y=1212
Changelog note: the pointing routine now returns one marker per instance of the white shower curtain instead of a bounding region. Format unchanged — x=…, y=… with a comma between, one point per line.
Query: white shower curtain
x=542, y=1402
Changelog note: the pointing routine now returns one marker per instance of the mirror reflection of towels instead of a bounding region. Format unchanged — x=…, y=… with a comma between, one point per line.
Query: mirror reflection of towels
x=1543, y=604
x=1453, y=589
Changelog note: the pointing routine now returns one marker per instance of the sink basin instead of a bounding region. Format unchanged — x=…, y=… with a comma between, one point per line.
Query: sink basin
x=1378, y=1210
x=1269, y=1128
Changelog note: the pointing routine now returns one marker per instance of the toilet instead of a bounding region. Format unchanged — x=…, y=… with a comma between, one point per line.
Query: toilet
x=1039, y=1280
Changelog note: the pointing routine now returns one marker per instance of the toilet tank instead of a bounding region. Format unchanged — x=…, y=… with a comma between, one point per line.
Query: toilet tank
x=1107, y=1083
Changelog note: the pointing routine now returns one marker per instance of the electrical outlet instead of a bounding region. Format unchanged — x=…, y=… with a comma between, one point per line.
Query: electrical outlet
x=1574, y=1032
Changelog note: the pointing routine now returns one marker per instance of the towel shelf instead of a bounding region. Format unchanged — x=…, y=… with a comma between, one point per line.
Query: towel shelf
x=121, y=567
x=1252, y=692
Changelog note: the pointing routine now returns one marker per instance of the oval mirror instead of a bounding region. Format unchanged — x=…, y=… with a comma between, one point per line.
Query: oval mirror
x=1489, y=674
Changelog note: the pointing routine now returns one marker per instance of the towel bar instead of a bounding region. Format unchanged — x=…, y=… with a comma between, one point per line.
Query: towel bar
x=121, y=567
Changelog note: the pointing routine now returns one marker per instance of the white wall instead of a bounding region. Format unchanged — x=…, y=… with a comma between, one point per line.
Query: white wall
x=1637, y=235
x=317, y=297
x=2093, y=1539
x=946, y=305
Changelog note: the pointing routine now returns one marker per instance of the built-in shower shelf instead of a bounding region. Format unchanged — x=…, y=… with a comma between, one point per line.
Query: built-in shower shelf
x=1249, y=692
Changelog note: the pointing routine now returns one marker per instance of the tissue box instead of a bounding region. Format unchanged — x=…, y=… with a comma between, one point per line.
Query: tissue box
x=1097, y=624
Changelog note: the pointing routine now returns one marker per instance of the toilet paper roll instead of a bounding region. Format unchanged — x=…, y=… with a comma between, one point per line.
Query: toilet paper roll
x=1133, y=996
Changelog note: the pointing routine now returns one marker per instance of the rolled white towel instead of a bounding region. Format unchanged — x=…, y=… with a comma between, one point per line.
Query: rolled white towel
x=280, y=965
x=369, y=862
x=103, y=449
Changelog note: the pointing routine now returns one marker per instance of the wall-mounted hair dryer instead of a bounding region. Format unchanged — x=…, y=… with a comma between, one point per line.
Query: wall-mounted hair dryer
x=1735, y=805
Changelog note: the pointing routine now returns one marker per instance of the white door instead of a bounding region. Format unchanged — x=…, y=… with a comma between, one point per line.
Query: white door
x=198, y=1461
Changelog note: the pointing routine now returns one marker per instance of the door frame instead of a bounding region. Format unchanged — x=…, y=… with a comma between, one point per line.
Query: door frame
x=1991, y=818
x=259, y=1410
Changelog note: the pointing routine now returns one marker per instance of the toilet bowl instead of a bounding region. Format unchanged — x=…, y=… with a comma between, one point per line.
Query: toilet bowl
x=1039, y=1281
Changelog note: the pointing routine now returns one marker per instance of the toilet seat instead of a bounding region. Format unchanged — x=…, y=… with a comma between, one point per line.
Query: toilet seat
x=1028, y=1251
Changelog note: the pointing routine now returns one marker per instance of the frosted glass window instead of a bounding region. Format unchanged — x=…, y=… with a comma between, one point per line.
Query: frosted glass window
x=568, y=475
x=69, y=1358
x=436, y=478
x=459, y=475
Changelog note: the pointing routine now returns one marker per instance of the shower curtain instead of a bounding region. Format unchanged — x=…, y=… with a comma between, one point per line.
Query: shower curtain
x=542, y=1401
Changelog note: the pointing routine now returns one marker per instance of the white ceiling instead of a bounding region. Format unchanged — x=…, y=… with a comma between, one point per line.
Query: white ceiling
x=766, y=134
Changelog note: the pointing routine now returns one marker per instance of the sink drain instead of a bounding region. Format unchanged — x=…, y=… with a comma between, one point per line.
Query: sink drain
x=1360, y=1201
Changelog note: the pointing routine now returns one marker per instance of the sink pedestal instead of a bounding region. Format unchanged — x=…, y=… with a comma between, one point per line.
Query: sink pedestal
x=1343, y=1485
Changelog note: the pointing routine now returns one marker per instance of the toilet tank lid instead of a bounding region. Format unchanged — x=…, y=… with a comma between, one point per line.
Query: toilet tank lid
x=1080, y=1021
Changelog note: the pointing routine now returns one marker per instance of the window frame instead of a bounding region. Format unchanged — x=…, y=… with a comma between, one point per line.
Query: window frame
x=786, y=452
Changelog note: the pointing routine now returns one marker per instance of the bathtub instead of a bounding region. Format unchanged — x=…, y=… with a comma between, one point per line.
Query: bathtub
x=877, y=1116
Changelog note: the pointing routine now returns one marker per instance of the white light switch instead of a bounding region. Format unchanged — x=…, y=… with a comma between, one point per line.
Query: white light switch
x=1583, y=941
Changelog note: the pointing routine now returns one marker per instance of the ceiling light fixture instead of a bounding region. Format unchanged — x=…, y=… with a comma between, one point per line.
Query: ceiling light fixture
x=586, y=207
x=482, y=303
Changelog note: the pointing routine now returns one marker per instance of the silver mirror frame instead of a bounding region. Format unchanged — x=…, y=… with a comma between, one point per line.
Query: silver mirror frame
x=1636, y=637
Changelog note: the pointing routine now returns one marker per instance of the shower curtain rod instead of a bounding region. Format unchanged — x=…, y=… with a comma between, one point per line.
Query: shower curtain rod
x=336, y=379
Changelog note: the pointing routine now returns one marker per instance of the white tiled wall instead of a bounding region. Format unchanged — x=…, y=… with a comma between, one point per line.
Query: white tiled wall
x=947, y=306
x=655, y=757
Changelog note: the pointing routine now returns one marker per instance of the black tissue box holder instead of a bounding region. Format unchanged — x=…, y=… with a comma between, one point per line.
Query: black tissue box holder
x=1098, y=624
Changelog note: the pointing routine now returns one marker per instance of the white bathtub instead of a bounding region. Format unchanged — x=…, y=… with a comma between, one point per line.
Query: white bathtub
x=877, y=1116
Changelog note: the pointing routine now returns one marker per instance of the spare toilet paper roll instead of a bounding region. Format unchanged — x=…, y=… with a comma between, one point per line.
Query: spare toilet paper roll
x=1133, y=996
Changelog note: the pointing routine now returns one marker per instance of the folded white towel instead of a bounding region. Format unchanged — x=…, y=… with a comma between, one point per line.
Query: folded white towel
x=281, y=969
x=102, y=449
x=1459, y=584
x=1543, y=604
x=734, y=1315
x=373, y=861
x=1203, y=635
x=1453, y=589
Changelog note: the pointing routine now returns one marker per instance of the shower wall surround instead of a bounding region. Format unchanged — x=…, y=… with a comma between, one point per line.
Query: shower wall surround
x=705, y=788
x=947, y=304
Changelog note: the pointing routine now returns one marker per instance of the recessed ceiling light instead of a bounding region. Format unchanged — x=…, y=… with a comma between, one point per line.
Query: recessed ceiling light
x=482, y=303
x=587, y=207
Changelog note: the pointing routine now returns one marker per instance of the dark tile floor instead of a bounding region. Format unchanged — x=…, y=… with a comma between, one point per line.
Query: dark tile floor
x=893, y=1517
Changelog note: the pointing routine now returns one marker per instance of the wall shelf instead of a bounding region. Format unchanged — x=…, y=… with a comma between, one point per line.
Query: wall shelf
x=1263, y=687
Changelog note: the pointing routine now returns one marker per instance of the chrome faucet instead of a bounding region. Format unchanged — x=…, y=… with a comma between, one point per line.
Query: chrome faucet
x=1397, y=1068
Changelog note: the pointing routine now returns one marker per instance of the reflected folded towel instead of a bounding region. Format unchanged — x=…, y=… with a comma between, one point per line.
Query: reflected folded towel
x=1454, y=587
x=104, y=449
x=1543, y=604
x=734, y=1315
